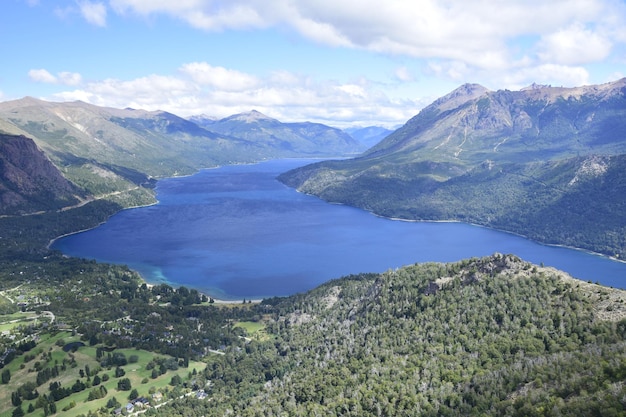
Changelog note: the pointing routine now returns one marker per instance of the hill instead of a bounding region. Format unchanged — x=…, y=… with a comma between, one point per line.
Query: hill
x=493, y=336
x=117, y=153
x=543, y=162
x=308, y=139
x=370, y=135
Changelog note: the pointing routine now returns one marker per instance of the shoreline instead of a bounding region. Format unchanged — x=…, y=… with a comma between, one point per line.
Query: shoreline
x=219, y=300
x=215, y=300
x=554, y=245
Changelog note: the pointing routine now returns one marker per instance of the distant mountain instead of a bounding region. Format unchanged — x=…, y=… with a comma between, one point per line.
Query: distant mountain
x=203, y=120
x=307, y=139
x=29, y=182
x=107, y=150
x=370, y=135
x=543, y=162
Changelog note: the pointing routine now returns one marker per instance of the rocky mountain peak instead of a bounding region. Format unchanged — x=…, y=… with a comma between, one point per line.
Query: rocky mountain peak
x=252, y=116
x=460, y=95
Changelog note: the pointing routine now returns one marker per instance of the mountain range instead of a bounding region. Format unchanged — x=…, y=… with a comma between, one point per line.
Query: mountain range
x=545, y=162
x=369, y=135
x=107, y=151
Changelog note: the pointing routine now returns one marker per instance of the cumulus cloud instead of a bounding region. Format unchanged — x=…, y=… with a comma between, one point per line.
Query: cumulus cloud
x=504, y=43
x=69, y=78
x=220, y=77
x=64, y=77
x=200, y=88
x=575, y=44
x=93, y=12
x=42, y=76
x=552, y=74
x=472, y=31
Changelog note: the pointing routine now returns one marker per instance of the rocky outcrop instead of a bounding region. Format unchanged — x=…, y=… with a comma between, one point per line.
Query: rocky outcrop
x=29, y=182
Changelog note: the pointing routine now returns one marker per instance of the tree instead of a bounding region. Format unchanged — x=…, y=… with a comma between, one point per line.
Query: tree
x=124, y=384
x=133, y=394
x=6, y=376
x=113, y=403
x=176, y=380
x=18, y=412
x=16, y=399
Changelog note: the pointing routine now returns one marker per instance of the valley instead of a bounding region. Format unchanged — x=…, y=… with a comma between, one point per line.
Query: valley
x=546, y=163
x=488, y=335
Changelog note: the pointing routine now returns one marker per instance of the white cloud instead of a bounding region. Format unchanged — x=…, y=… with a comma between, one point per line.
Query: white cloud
x=471, y=33
x=552, y=74
x=201, y=14
x=93, y=12
x=64, y=77
x=501, y=43
x=69, y=78
x=200, y=88
x=574, y=45
x=454, y=70
x=42, y=76
x=404, y=74
x=219, y=77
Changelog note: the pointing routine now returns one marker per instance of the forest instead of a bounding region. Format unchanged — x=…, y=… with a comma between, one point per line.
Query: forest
x=490, y=336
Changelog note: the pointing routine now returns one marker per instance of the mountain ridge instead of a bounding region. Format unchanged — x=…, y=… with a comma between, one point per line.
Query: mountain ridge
x=106, y=150
x=504, y=152
x=29, y=181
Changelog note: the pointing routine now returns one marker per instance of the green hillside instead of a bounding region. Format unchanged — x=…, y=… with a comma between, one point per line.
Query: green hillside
x=492, y=336
x=547, y=163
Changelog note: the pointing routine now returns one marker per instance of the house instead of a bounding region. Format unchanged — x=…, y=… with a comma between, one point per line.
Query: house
x=157, y=396
x=130, y=407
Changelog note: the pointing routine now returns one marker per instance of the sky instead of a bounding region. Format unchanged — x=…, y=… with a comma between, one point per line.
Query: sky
x=343, y=63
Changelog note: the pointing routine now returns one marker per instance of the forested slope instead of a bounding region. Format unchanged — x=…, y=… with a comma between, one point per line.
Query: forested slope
x=544, y=162
x=491, y=336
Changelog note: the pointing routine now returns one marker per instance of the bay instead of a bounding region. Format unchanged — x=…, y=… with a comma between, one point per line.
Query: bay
x=236, y=232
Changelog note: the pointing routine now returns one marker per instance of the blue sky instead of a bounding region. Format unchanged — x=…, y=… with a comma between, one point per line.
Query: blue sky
x=339, y=62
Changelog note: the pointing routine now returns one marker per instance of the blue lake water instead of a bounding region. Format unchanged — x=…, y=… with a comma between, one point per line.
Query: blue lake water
x=236, y=232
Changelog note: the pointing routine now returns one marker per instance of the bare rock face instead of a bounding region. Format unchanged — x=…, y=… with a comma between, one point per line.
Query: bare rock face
x=29, y=182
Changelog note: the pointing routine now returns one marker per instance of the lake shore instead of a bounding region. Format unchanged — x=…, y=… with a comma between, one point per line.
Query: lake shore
x=288, y=244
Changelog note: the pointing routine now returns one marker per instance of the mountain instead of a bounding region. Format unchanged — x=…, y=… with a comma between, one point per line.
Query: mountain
x=203, y=120
x=307, y=139
x=29, y=182
x=106, y=151
x=368, y=136
x=544, y=162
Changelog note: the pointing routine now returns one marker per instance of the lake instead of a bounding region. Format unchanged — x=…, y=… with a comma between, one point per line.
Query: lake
x=236, y=232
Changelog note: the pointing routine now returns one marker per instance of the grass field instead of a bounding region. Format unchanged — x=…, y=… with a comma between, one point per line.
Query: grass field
x=48, y=352
x=254, y=329
x=9, y=321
